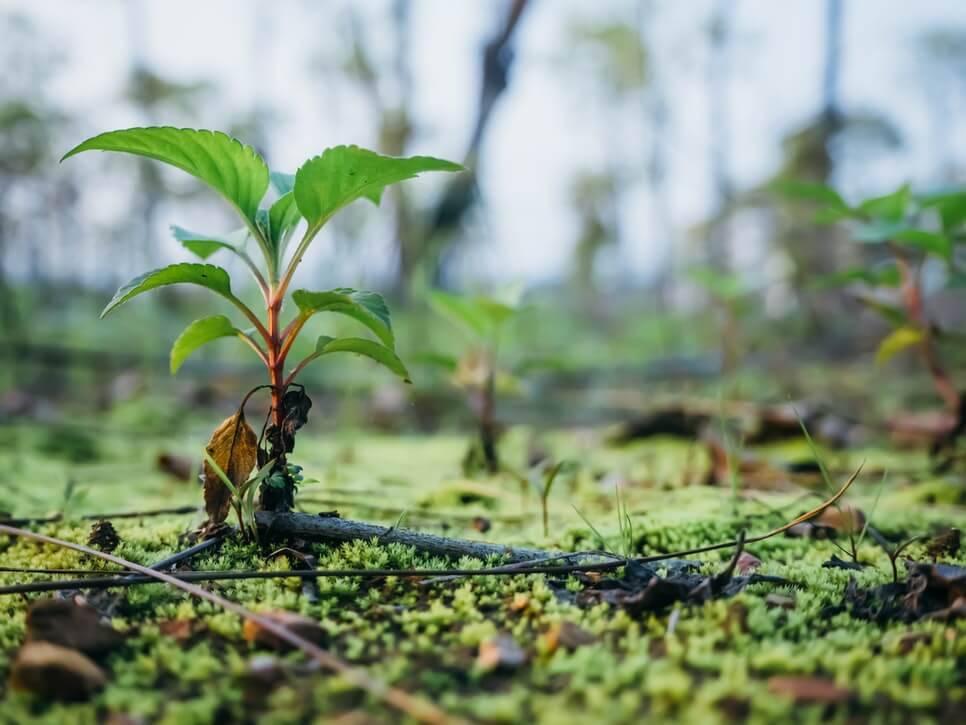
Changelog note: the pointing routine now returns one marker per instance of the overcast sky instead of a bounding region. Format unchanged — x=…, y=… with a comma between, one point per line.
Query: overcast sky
x=546, y=127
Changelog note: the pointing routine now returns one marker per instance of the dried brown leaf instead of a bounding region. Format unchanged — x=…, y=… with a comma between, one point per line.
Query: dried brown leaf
x=68, y=624
x=303, y=626
x=500, y=653
x=808, y=689
x=234, y=447
x=568, y=635
x=56, y=672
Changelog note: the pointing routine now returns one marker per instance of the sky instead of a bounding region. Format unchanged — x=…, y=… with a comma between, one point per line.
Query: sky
x=548, y=126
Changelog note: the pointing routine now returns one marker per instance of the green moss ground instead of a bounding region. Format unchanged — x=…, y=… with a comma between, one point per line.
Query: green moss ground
x=714, y=667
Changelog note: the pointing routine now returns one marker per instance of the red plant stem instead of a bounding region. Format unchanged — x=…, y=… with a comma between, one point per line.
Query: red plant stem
x=912, y=299
x=276, y=360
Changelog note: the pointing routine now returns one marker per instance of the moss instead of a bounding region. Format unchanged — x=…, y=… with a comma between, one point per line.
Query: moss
x=424, y=639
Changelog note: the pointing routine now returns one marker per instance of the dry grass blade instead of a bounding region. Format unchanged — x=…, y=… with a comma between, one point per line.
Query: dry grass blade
x=414, y=707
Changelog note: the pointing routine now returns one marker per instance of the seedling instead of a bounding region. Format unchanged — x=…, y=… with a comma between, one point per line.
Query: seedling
x=548, y=474
x=900, y=222
x=483, y=319
x=321, y=187
x=733, y=298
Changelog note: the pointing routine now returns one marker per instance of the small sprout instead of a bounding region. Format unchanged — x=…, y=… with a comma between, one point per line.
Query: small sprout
x=308, y=200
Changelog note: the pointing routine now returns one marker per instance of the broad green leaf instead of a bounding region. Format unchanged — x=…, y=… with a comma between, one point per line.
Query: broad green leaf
x=951, y=207
x=884, y=275
x=369, y=348
x=204, y=245
x=892, y=314
x=282, y=218
x=879, y=231
x=198, y=333
x=930, y=242
x=205, y=275
x=340, y=175
x=369, y=308
x=231, y=168
x=821, y=193
x=896, y=342
x=891, y=207
x=480, y=315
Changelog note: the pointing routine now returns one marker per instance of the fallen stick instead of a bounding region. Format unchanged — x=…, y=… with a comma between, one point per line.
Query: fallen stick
x=331, y=528
x=56, y=518
x=416, y=708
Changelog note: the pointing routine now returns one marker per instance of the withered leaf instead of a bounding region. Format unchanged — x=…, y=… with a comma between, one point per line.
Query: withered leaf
x=68, y=624
x=234, y=447
x=809, y=689
x=303, y=626
x=500, y=652
x=568, y=635
x=55, y=672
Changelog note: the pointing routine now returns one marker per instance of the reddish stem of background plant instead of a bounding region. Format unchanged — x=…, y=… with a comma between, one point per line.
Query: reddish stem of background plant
x=912, y=300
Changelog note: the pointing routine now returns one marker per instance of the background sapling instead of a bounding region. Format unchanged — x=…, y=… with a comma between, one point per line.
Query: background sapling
x=907, y=233
x=306, y=200
x=483, y=319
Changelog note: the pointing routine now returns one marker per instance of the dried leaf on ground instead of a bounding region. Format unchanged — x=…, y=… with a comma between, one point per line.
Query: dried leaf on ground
x=805, y=689
x=303, y=626
x=56, y=673
x=500, y=653
x=568, y=635
x=103, y=536
x=234, y=447
x=68, y=624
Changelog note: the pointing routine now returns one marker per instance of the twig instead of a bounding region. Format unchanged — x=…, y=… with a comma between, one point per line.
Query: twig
x=416, y=708
x=521, y=567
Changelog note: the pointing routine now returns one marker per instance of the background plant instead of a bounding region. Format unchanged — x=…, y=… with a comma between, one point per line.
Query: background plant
x=321, y=187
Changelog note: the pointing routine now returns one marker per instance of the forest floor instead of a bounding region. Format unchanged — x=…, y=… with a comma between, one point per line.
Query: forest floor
x=535, y=648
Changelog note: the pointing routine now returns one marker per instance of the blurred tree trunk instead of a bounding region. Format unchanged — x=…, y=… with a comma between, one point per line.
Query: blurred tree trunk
x=718, y=251
x=462, y=190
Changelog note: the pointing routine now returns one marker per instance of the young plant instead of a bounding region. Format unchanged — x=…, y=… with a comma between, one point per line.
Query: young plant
x=548, y=474
x=321, y=187
x=911, y=230
x=476, y=370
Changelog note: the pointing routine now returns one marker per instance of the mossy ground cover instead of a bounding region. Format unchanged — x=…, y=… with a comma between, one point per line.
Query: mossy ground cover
x=715, y=663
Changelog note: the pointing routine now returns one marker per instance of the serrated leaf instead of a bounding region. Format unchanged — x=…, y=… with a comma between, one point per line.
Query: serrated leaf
x=890, y=207
x=204, y=245
x=340, y=175
x=897, y=341
x=380, y=353
x=369, y=308
x=206, y=275
x=234, y=449
x=228, y=166
x=198, y=333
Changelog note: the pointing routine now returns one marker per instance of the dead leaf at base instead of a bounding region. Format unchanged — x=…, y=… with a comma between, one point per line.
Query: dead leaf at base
x=805, y=689
x=304, y=627
x=500, y=653
x=55, y=672
x=234, y=447
x=68, y=624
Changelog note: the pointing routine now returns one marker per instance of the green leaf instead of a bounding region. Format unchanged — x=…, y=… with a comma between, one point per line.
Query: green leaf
x=380, y=353
x=884, y=275
x=891, y=207
x=205, y=275
x=340, y=175
x=282, y=183
x=897, y=341
x=198, y=333
x=809, y=191
x=231, y=168
x=369, y=308
x=204, y=245
x=892, y=314
x=879, y=231
x=282, y=218
x=482, y=316
x=951, y=208
x=930, y=242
